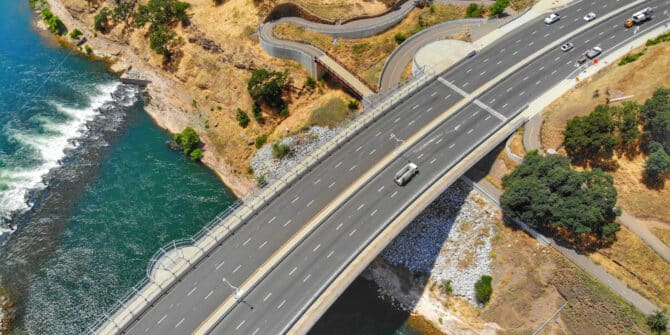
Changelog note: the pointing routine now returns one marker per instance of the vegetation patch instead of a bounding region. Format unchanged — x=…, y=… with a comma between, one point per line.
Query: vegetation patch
x=333, y=112
x=483, y=289
x=663, y=38
x=53, y=22
x=629, y=58
x=280, y=150
x=189, y=141
x=547, y=194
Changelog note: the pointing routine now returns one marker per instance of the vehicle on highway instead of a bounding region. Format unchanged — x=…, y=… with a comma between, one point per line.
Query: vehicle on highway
x=553, y=17
x=639, y=17
x=581, y=60
x=593, y=52
x=590, y=16
x=567, y=46
x=406, y=173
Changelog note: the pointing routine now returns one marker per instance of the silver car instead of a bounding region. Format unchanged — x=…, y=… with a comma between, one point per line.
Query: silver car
x=590, y=16
x=406, y=173
x=567, y=46
x=552, y=18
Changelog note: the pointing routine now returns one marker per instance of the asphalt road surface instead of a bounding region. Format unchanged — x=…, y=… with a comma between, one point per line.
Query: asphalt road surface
x=281, y=297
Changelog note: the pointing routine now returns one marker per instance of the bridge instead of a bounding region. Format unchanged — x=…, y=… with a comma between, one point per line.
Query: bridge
x=276, y=263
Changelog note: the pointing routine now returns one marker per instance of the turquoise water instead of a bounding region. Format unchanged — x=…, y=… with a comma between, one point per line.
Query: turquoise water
x=87, y=180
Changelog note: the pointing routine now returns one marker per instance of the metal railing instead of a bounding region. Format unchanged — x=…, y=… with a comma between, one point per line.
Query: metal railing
x=149, y=290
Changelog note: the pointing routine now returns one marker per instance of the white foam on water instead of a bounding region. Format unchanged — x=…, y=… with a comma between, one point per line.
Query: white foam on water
x=51, y=147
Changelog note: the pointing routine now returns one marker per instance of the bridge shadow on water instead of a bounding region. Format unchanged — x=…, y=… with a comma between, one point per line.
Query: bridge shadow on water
x=362, y=309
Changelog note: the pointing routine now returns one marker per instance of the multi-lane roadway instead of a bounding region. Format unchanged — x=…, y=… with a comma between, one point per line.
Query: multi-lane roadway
x=278, y=300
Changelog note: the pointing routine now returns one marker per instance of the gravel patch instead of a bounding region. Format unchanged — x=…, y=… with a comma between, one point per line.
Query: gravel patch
x=302, y=144
x=450, y=240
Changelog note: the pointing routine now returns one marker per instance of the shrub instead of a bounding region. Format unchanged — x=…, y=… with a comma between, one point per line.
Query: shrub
x=473, y=10
x=499, y=7
x=483, y=289
x=75, y=34
x=658, y=322
x=663, y=38
x=260, y=180
x=196, y=154
x=258, y=115
x=159, y=41
x=242, y=118
x=629, y=58
x=358, y=49
x=399, y=38
x=188, y=140
x=101, y=20
x=310, y=82
x=446, y=287
x=352, y=105
x=283, y=112
x=260, y=140
x=268, y=87
x=280, y=150
x=53, y=22
x=88, y=49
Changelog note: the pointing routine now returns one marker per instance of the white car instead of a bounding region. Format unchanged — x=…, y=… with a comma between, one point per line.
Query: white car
x=567, y=46
x=552, y=18
x=406, y=173
x=590, y=16
x=593, y=52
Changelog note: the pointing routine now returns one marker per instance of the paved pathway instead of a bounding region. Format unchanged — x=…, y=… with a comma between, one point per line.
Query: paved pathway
x=645, y=306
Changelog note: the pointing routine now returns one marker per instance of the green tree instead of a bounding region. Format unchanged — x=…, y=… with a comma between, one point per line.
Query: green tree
x=160, y=39
x=655, y=115
x=257, y=112
x=483, y=289
x=499, y=7
x=242, y=118
x=268, y=87
x=657, y=165
x=473, y=10
x=658, y=322
x=196, y=154
x=101, y=20
x=75, y=34
x=628, y=120
x=53, y=22
x=188, y=140
x=399, y=38
x=123, y=11
x=161, y=13
x=590, y=140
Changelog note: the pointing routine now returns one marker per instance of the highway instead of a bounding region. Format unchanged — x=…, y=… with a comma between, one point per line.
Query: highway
x=288, y=290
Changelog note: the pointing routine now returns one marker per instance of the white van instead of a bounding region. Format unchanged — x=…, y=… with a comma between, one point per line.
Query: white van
x=406, y=173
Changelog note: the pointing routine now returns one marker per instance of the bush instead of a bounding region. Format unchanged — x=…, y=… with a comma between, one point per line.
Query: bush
x=88, y=49
x=629, y=58
x=196, y=154
x=53, y=22
x=161, y=15
x=446, y=287
x=188, y=140
x=663, y=38
x=358, y=49
x=399, y=38
x=242, y=118
x=473, y=10
x=657, y=165
x=310, y=82
x=352, y=105
x=268, y=87
x=280, y=150
x=499, y=7
x=260, y=140
x=283, y=112
x=483, y=289
x=658, y=322
x=101, y=20
x=75, y=34
x=159, y=41
x=258, y=115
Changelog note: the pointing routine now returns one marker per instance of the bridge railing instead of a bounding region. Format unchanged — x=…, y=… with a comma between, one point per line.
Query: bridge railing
x=175, y=259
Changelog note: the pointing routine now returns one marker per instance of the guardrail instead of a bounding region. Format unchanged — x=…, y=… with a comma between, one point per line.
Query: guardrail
x=150, y=288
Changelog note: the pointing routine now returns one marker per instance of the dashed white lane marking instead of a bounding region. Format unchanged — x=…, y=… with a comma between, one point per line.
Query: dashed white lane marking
x=291, y=273
x=509, y=89
x=433, y=161
x=331, y=184
x=316, y=248
x=492, y=101
x=247, y=241
x=415, y=107
x=240, y=325
x=396, y=120
x=209, y=294
x=274, y=217
x=540, y=69
x=613, y=36
x=468, y=71
x=352, y=233
x=339, y=226
x=433, y=94
x=498, y=62
x=547, y=34
x=601, y=33
x=470, y=131
x=308, y=275
x=466, y=83
x=553, y=72
x=502, y=50
x=420, y=156
x=372, y=152
x=352, y=167
x=447, y=96
x=380, y=189
x=505, y=105
x=429, y=109
x=161, y=319
x=191, y=291
x=525, y=78
x=255, y=331
x=373, y=213
x=220, y=265
x=517, y=41
x=359, y=148
x=394, y=193
x=379, y=133
x=287, y=223
x=531, y=44
x=483, y=73
x=522, y=93
x=338, y=165
x=282, y=304
x=361, y=206
x=267, y=296
x=486, y=60
x=452, y=145
x=310, y=202
x=237, y=268
x=262, y=245
x=488, y=117
x=411, y=123
x=514, y=53
x=557, y=58
x=533, y=33
x=587, y=41
x=438, y=141
x=179, y=323
x=538, y=82
x=330, y=253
